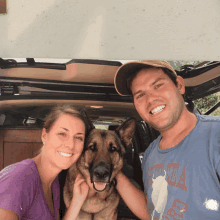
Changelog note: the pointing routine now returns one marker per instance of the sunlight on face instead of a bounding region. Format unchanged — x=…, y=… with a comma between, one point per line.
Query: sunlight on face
x=65, y=140
x=157, y=99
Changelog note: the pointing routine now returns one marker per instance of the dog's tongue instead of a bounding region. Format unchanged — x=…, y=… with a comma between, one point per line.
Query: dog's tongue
x=100, y=185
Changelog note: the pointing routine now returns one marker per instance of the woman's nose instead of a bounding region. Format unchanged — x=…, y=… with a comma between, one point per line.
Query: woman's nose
x=69, y=143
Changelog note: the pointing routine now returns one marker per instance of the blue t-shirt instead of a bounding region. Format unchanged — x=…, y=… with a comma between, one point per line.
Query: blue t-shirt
x=183, y=182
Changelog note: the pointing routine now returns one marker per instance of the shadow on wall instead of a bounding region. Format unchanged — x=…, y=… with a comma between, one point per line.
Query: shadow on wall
x=89, y=29
x=74, y=29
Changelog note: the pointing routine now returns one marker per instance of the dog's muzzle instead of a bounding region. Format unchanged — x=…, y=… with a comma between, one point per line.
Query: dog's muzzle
x=100, y=174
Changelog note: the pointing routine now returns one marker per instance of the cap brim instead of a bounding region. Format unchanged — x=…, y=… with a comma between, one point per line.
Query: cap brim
x=125, y=71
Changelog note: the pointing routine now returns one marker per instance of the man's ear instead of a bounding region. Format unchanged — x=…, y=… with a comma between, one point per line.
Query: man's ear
x=43, y=135
x=180, y=84
x=126, y=130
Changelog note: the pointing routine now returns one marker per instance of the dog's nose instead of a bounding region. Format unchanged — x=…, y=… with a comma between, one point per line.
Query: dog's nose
x=101, y=173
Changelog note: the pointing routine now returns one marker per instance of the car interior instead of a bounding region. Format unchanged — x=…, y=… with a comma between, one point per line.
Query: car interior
x=30, y=89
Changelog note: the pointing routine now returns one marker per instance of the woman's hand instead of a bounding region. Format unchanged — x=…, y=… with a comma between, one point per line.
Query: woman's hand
x=80, y=189
x=80, y=192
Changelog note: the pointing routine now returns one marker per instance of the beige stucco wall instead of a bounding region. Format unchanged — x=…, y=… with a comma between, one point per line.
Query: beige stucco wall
x=122, y=29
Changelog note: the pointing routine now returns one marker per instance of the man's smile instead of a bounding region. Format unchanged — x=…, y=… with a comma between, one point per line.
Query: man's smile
x=157, y=109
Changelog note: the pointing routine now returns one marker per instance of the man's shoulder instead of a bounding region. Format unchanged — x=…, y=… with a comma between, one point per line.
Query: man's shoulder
x=208, y=118
x=208, y=122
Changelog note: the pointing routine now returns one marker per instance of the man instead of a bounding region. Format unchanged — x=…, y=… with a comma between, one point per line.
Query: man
x=181, y=168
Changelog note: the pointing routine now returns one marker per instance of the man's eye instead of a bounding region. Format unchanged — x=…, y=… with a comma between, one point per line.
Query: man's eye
x=140, y=95
x=158, y=85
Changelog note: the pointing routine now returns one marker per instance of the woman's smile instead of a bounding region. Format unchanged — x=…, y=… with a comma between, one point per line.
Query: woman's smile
x=65, y=154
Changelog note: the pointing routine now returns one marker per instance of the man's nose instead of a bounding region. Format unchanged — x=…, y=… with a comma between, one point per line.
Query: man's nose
x=150, y=97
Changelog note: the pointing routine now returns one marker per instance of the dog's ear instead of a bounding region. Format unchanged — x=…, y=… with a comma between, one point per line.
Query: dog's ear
x=126, y=130
x=89, y=123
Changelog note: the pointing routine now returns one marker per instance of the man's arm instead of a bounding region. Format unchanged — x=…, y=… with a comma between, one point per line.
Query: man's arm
x=132, y=196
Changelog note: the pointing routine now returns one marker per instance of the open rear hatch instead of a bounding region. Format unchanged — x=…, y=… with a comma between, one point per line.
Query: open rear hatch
x=92, y=77
x=88, y=83
x=201, y=81
x=81, y=78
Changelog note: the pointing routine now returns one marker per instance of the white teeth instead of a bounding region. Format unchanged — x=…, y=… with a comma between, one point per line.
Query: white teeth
x=65, y=154
x=158, y=109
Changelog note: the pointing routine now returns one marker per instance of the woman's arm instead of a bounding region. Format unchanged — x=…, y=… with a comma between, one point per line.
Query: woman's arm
x=80, y=192
x=7, y=214
x=132, y=196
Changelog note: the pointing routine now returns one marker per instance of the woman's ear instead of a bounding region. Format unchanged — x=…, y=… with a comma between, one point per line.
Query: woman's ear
x=43, y=135
x=180, y=84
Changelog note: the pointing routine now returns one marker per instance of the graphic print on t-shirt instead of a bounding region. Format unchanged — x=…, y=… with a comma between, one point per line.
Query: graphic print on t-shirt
x=159, y=194
x=192, y=170
x=160, y=178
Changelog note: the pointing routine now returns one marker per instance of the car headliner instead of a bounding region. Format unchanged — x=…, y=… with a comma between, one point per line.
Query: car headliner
x=97, y=75
x=91, y=73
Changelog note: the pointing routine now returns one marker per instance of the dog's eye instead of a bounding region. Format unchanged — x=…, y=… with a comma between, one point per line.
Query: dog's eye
x=112, y=148
x=92, y=147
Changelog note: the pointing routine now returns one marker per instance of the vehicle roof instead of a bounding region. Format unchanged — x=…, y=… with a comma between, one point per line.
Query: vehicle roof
x=86, y=84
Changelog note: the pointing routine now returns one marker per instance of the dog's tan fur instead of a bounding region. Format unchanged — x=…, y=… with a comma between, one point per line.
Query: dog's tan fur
x=100, y=205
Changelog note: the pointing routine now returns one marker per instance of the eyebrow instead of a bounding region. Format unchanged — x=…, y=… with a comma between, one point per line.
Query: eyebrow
x=68, y=130
x=137, y=92
x=81, y=133
x=65, y=129
x=158, y=79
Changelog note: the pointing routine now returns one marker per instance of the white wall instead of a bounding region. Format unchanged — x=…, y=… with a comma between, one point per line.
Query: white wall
x=100, y=29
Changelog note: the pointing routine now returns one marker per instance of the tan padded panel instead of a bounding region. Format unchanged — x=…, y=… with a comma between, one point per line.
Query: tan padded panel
x=17, y=135
x=15, y=152
x=18, y=144
x=205, y=77
x=1, y=149
x=75, y=72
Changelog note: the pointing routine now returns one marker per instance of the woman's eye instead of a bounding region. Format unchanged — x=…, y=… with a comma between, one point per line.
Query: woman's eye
x=62, y=134
x=80, y=138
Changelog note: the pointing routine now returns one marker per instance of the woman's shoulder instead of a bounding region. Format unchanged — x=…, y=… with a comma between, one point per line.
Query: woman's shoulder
x=18, y=185
x=23, y=170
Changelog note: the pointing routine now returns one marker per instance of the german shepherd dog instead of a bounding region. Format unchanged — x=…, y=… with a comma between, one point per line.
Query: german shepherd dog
x=100, y=162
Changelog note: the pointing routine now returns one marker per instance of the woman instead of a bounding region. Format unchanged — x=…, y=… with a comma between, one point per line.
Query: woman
x=29, y=189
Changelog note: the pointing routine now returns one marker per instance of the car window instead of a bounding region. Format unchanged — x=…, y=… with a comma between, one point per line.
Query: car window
x=207, y=102
x=101, y=126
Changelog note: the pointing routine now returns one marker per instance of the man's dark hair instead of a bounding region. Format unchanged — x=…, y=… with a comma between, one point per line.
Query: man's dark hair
x=168, y=72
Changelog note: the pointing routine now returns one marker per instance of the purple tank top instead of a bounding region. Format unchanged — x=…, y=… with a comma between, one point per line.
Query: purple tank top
x=21, y=191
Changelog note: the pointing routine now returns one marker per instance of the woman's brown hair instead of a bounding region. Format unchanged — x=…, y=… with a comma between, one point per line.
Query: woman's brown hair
x=62, y=109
